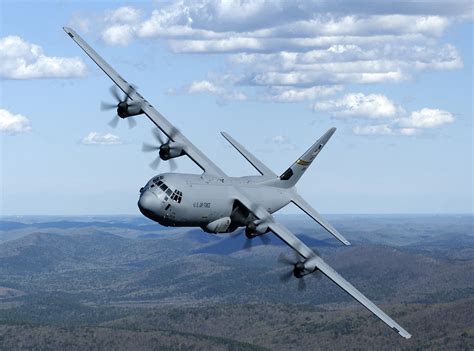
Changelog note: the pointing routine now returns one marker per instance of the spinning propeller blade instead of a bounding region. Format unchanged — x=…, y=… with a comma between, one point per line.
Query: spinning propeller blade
x=286, y=276
x=147, y=147
x=106, y=106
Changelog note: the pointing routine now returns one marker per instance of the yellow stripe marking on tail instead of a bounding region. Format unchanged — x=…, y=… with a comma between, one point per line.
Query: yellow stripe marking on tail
x=303, y=162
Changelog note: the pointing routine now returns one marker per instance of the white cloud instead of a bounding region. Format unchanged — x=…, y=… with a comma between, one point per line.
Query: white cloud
x=427, y=118
x=284, y=94
x=202, y=86
x=94, y=138
x=118, y=34
x=414, y=124
x=280, y=142
x=205, y=86
x=120, y=25
x=13, y=123
x=408, y=131
x=22, y=60
x=280, y=139
x=124, y=14
x=359, y=105
x=380, y=129
x=295, y=50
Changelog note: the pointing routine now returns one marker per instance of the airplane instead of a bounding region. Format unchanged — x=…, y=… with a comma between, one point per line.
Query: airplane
x=218, y=203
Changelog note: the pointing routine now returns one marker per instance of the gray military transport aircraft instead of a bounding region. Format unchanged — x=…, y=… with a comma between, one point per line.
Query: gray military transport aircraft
x=218, y=203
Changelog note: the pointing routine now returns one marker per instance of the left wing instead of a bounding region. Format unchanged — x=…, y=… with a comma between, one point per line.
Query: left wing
x=313, y=261
x=157, y=118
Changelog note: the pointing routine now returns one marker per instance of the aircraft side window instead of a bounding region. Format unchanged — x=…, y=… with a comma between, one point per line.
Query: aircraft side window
x=168, y=192
x=163, y=187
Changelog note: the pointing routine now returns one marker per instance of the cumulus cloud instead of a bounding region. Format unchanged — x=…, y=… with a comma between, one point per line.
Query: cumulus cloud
x=207, y=87
x=118, y=34
x=414, y=124
x=13, y=123
x=380, y=129
x=426, y=118
x=292, y=51
x=20, y=59
x=282, y=94
x=202, y=86
x=358, y=104
x=94, y=138
x=124, y=14
x=397, y=121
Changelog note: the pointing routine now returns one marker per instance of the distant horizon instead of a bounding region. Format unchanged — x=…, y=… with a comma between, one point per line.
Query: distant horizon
x=277, y=214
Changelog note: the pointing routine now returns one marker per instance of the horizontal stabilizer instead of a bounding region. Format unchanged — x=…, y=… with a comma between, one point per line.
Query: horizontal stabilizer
x=306, y=207
x=255, y=162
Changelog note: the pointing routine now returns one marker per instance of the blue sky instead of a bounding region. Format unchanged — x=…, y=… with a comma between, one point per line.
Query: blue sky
x=395, y=81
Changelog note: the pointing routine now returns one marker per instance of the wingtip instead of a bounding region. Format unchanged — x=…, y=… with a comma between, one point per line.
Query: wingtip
x=406, y=335
x=402, y=332
x=70, y=32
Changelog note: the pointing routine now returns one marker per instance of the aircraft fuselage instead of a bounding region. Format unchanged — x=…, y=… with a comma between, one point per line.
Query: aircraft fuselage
x=189, y=200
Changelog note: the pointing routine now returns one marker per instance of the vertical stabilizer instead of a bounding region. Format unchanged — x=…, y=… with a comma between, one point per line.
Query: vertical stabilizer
x=291, y=176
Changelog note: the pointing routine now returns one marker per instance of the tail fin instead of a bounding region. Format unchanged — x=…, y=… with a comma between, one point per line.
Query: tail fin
x=291, y=176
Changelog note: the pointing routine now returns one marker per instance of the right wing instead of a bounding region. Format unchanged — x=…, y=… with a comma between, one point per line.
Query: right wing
x=157, y=118
x=314, y=261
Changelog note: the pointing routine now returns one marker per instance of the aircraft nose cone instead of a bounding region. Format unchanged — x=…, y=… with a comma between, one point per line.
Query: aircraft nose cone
x=146, y=203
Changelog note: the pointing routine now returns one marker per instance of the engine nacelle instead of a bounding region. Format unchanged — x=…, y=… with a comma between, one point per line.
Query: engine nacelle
x=304, y=268
x=125, y=110
x=253, y=229
x=218, y=226
x=171, y=150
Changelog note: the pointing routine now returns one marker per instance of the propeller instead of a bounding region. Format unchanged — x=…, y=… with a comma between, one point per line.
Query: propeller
x=252, y=226
x=122, y=105
x=163, y=147
x=248, y=244
x=297, y=267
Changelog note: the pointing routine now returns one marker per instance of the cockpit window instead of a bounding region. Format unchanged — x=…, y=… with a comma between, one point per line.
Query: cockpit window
x=177, y=196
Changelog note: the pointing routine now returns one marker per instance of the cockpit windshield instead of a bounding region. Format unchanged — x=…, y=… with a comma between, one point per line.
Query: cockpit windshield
x=175, y=195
